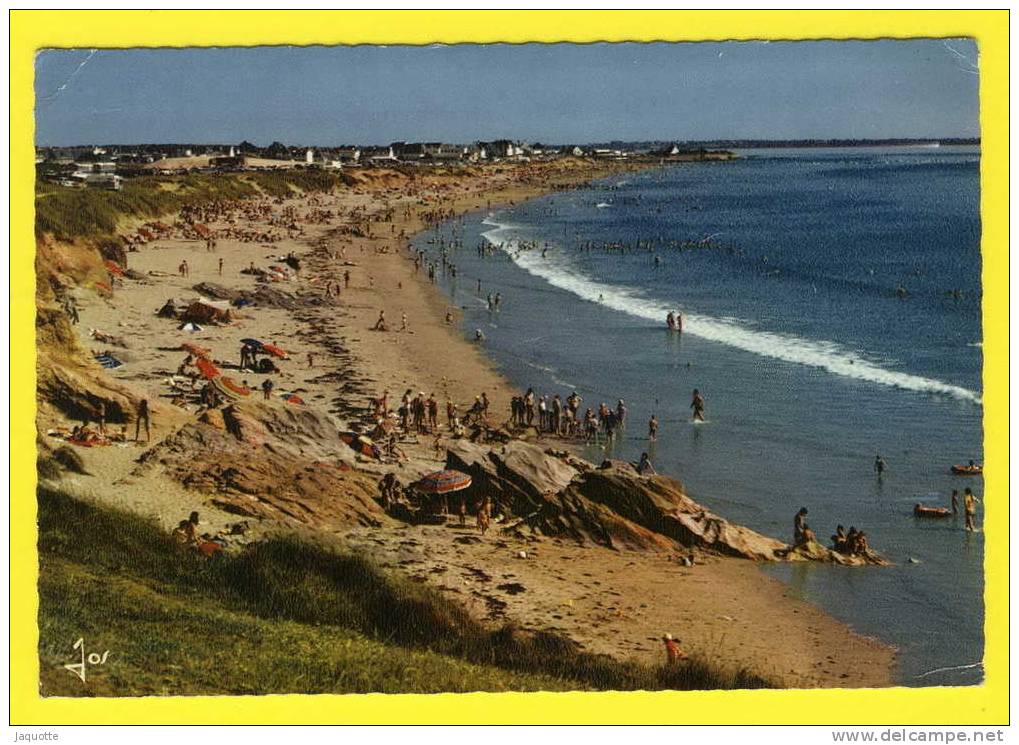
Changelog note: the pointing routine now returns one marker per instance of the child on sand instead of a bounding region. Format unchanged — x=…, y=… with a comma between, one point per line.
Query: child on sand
x=673, y=654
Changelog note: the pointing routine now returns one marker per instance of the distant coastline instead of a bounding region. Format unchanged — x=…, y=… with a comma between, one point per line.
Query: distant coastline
x=743, y=144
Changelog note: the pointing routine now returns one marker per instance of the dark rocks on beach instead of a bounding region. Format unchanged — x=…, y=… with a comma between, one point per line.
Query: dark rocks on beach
x=113, y=250
x=814, y=551
x=69, y=459
x=271, y=461
x=77, y=394
x=611, y=505
x=264, y=296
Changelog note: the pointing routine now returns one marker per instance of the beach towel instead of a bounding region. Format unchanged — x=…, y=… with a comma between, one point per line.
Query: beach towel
x=206, y=368
x=275, y=351
x=108, y=361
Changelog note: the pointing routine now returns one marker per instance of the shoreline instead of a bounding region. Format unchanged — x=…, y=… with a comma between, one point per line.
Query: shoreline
x=725, y=607
x=476, y=366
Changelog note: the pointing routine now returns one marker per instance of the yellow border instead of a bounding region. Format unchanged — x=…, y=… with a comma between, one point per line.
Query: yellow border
x=31, y=30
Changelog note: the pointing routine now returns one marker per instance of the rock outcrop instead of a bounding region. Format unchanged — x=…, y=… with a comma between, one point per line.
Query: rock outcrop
x=271, y=460
x=559, y=495
x=263, y=295
x=286, y=429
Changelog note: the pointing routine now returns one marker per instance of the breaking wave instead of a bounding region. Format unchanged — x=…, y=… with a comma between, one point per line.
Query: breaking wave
x=826, y=355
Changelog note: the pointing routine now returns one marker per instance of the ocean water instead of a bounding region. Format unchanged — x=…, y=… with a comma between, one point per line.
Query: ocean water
x=831, y=302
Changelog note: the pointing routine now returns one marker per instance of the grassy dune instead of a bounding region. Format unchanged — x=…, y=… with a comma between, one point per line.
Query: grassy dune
x=285, y=616
x=68, y=213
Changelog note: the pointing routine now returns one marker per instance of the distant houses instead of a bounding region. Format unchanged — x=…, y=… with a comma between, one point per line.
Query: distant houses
x=106, y=166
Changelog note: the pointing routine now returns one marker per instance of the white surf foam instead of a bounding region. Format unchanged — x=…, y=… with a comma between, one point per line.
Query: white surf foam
x=826, y=355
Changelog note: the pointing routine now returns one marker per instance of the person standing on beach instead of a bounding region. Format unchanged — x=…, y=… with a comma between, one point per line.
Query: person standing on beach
x=557, y=413
x=266, y=389
x=529, y=406
x=101, y=417
x=404, y=411
x=71, y=308
x=346, y=279
x=573, y=402
x=433, y=412
x=970, y=502
x=697, y=404
x=380, y=325
x=221, y=266
x=142, y=415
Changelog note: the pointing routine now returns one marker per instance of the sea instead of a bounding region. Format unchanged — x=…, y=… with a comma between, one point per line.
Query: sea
x=831, y=305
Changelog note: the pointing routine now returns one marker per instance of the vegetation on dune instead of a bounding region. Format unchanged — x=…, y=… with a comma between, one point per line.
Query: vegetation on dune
x=68, y=213
x=284, y=616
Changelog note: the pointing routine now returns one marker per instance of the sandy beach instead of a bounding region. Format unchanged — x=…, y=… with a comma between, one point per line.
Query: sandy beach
x=613, y=601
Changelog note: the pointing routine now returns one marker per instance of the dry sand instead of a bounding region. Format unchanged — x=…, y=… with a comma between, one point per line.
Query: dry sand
x=610, y=601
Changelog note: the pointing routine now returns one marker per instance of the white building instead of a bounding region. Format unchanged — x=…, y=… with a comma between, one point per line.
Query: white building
x=96, y=180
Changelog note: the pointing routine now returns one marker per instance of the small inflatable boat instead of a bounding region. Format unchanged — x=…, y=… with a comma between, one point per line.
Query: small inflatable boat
x=921, y=511
x=973, y=470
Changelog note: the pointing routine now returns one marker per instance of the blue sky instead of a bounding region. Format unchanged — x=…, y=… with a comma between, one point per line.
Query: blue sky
x=559, y=93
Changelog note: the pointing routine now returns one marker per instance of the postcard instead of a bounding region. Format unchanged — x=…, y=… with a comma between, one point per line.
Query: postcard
x=413, y=365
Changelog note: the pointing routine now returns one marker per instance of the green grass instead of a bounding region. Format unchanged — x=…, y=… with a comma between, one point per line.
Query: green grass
x=285, y=616
x=68, y=213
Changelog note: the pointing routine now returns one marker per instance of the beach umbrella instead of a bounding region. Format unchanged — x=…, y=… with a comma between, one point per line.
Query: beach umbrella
x=252, y=343
x=443, y=482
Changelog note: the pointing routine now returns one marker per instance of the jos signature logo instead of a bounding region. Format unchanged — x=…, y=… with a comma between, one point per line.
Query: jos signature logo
x=94, y=658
